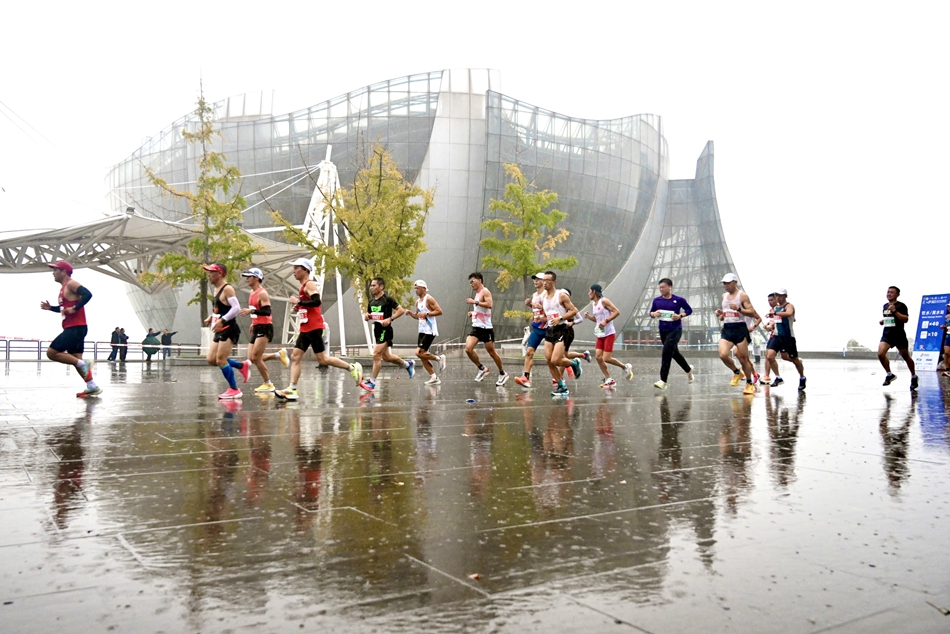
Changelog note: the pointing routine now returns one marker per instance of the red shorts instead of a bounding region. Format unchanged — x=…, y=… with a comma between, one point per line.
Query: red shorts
x=606, y=343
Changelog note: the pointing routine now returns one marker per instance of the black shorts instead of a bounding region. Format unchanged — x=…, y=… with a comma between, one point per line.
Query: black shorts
x=788, y=346
x=72, y=340
x=558, y=334
x=311, y=339
x=895, y=340
x=383, y=335
x=262, y=330
x=232, y=333
x=735, y=333
x=425, y=341
x=568, y=338
x=483, y=334
x=772, y=344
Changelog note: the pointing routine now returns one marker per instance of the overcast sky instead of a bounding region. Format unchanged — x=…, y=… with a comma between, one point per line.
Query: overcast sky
x=830, y=119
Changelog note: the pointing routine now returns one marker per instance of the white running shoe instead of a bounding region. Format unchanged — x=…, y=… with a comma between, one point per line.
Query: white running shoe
x=689, y=375
x=481, y=374
x=660, y=385
x=502, y=379
x=442, y=362
x=434, y=380
x=282, y=355
x=629, y=368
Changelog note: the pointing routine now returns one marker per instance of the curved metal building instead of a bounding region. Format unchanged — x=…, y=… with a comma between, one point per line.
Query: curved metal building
x=453, y=130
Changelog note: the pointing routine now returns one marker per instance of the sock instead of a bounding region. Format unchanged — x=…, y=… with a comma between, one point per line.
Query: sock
x=228, y=373
x=501, y=373
x=405, y=364
x=91, y=385
x=560, y=383
x=292, y=386
x=481, y=367
x=235, y=364
x=735, y=372
x=527, y=375
x=777, y=377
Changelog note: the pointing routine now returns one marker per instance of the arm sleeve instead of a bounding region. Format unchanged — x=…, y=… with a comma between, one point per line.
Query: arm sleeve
x=84, y=297
x=55, y=309
x=235, y=309
x=263, y=311
x=313, y=302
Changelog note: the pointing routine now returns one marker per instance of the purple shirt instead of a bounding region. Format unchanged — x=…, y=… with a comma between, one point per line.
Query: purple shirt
x=675, y=303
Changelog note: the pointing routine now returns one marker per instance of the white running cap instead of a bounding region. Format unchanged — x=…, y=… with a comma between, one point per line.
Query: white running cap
x=421, y=284
x=304, y=262
x=729, y=277
x=782, y=292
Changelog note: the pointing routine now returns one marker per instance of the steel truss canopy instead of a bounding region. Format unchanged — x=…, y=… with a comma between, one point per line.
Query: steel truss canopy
x=122, y=246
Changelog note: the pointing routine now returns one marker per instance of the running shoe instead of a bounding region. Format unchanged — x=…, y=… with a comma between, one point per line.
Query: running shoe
x=502, y=379
x=434, y=380
x=289, y=393
x=560, y=391
x=913, y=383
x=890, y=378
x=245, y=370
x=569, y=373
x=230, y=394
x=442, y=362
x=523, y=381
x=368, y=384
x=766, y=380
x=587, y=356
x=660, y=385
x=749, y=388
x=629, y=368
x=755, y=377
x=689, y=375
x=736, y=379
x=801, y=384
x=282, y=355
x=946, y=374
x=777, y=381
x=95, y=391
x=578, y=370
x=553, y=382
x=266, y=388
x=86, y=370
x=481, y=374
x=356, y=371
x=411, y=368
x=608, y=383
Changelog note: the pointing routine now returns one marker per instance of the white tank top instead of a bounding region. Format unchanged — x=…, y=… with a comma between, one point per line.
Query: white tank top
x=600, y=314
x=552, y=307
x=427, y=325
x=538, y=319
x=481, y=316
x=729, y=314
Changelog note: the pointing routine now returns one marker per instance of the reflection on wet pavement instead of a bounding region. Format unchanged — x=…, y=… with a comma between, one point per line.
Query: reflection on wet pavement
x=157, y=507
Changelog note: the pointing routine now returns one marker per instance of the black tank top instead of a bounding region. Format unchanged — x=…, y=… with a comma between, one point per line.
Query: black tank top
x=222, y=308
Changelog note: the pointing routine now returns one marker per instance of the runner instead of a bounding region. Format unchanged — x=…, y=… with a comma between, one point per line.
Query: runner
x=895, y=316
x=482, y=330
x=427, y=309
x=312, y=326
x=262, y=329
x=225, y=310
x=559, y=310
x=606, y=333
x=785, y=333
x=68, y=347
x=735, y=331
x=536, y=330
x=771, y=348
x=383, y=311
x=578, y=319
x=670, y=310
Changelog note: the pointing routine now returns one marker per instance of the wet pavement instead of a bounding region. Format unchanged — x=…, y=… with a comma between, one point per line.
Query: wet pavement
x=159, y=508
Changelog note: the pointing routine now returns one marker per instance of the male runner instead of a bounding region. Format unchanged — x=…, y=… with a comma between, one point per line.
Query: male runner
x=482, y=330
x=537, y=330
x=606, y=333
x=578, y=319
x=771, y=348
x=383, y=311
x=310, y=320
x=670, y=310
x=225, y=310
x=784, y=314
x=895, y=316
x=559, y=310
x=262, y=329
x=68, y=347
x=735, y=331
x=427, y=309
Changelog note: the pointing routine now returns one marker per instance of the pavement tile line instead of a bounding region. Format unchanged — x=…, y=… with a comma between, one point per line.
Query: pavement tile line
x=484, y=593
x=864, y=617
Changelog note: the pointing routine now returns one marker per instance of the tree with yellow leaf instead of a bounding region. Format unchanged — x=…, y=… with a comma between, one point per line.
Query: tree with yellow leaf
x=529, y=235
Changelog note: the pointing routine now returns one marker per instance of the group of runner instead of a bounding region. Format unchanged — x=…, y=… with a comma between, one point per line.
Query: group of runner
x=554, y=316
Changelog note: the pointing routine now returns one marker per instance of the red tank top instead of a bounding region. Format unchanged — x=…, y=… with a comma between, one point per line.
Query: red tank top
x=77, y=318
x=255, y=302
x=309, y=317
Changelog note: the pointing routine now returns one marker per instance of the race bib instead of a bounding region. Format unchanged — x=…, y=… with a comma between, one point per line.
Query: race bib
x=889, y=322
x=214, y=319
x=666, y=315
x=599, y=332
x=538, y=314
x=375, y=314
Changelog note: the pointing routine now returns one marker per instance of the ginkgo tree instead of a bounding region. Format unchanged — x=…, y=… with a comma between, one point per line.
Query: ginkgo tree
x=523, y=235
x=384, y=218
